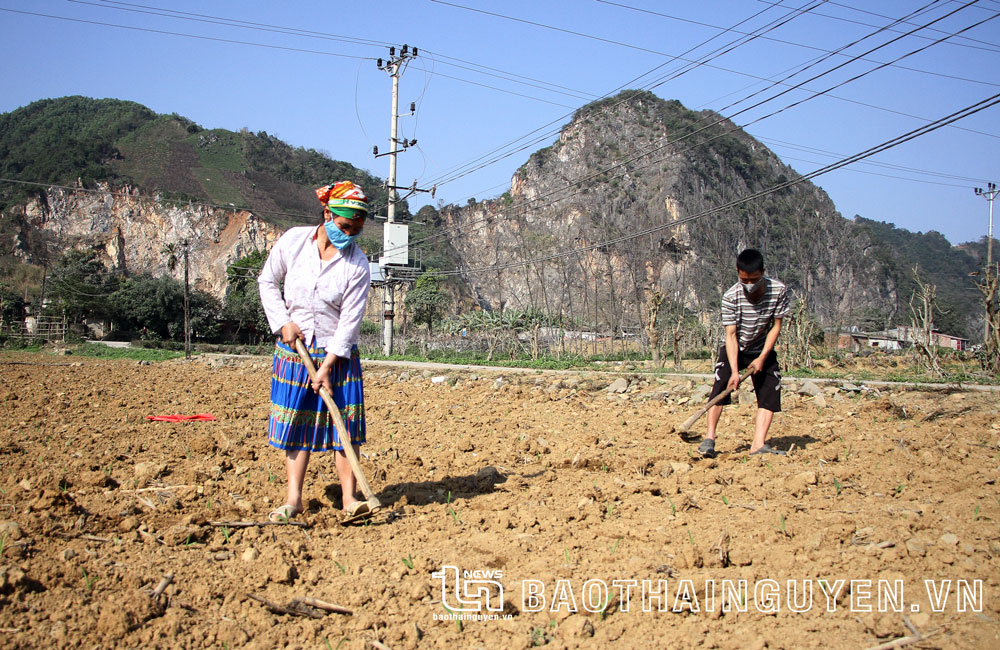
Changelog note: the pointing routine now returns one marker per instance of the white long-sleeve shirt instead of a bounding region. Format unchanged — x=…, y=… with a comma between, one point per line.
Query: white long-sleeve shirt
x=327, y=302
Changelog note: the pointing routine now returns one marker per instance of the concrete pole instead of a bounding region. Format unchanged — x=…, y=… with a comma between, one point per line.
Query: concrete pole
x=989, y=194
x=388, y=306
x=187, y=312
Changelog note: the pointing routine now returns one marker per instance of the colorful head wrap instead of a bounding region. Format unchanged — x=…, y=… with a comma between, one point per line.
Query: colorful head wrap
x=344, y=199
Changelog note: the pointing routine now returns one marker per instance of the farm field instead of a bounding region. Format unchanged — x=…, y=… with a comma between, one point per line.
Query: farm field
x=576, y=500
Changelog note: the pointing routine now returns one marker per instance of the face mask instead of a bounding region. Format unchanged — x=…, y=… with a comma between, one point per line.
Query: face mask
x=753, y=288
x=338, y=237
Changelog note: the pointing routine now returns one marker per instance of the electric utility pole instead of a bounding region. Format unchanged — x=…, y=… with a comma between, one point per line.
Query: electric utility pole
x=187, y=320
x=395, y=239
x=989, y=194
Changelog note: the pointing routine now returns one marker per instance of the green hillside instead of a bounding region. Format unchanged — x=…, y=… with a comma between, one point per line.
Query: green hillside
x=938, y=263
x=58, y=141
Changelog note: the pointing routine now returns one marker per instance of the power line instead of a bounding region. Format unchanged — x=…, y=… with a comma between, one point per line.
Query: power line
x=199, y=37
x=454, y=175
x=651, y=150
x=993, y=46
x=796, y=44
x=888, y=144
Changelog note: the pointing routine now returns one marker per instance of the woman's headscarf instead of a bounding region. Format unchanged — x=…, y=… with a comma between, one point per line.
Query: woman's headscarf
x=344, y=199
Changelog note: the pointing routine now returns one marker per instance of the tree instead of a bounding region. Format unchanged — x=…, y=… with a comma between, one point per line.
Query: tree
x=81, y=285
x=654, y=299
x=242, y=307
x=11, y=306
x=989, y=354
x=427, y=301
x=922, y=321
x=155, y=304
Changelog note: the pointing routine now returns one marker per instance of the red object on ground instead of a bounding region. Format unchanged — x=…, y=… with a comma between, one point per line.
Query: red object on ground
x=180, y=418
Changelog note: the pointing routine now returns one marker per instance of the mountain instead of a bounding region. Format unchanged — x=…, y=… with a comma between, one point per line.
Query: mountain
x=120, y=179
x=132, y=180
x=636, y=163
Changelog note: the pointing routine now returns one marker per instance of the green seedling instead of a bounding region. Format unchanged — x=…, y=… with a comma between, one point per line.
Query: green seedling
x=3, y=543
x=88, y=581
x=408, y=561
x=448, y=499
x=210, y=502
x=225, y=533
x=900, y=488
x=975, y=515
x=725, y=500
x=836, y=485
x=566, y=555
x=458, y=621
x=63, y=484
x=454, y=515
x=611, y=509
x=604, y=608
x=271, y=477
x=187, y=541
x=673, y=508
x=691, y=538
x=615, y=547
x=340, y=566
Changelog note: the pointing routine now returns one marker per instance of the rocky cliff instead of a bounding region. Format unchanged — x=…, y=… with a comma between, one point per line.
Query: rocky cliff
x=633, y=164
x=130, y=232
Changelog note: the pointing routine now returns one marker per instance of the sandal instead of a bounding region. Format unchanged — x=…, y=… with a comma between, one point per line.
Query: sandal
x=357, y=511
x=282, y=514
x=768, y=449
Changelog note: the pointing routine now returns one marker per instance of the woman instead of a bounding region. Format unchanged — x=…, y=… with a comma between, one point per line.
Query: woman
x=326, y=282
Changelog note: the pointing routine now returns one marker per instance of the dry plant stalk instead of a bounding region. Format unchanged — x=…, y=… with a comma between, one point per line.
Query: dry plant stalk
x=922, y=319
x=989, y=356
x=654, y=300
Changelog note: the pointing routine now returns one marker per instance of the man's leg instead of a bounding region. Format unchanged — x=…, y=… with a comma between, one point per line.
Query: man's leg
x=296, y=462
x=713, y=416
x=346, y=474
x=761, y=426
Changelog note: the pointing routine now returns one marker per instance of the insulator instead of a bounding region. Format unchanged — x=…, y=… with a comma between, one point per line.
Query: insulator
x=414, y=52
x=375, y=150
x=392, y=50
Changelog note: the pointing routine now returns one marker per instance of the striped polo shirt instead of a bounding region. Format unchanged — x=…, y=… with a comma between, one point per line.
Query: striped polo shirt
x=754, y=320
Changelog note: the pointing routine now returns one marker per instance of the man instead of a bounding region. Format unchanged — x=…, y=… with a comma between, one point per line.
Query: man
x=752, y=311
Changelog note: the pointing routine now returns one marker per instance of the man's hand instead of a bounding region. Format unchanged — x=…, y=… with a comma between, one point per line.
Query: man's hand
x=756, y=365
x=734, y=380
x=322, y=379
x=289, y=332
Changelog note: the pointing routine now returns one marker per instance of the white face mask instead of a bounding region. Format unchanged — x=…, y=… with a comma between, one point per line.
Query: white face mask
x=754, y=287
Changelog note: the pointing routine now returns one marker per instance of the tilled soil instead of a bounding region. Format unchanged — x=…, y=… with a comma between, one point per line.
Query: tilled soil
x=561, y=492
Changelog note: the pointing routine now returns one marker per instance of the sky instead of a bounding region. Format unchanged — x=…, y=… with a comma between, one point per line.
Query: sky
x=495, y=78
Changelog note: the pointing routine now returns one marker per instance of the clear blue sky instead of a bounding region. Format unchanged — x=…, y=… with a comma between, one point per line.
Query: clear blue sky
x=299, y=90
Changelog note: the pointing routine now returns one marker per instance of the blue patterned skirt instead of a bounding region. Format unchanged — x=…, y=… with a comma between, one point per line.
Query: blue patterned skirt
x=299, y=418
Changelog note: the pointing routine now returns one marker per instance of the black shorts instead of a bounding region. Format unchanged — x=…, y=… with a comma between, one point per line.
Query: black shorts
x=766, y=383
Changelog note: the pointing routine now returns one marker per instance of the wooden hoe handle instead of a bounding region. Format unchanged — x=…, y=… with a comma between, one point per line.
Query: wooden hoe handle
x=715, y=400
x=342, y=435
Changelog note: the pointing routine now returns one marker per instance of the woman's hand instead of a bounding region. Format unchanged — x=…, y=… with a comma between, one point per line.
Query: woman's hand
x=289, y=332
x=322, y=379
